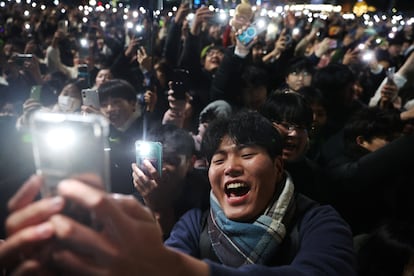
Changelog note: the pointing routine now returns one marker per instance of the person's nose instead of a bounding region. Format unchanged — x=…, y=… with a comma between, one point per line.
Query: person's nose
x=233, y=167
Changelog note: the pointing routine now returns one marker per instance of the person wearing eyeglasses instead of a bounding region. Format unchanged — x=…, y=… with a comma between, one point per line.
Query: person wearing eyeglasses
x=292, y=116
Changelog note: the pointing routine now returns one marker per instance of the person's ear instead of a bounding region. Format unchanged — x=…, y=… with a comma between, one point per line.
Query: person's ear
x=360, y=141
x=278, y=166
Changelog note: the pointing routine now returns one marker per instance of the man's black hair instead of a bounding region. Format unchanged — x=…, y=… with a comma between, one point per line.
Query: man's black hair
x=117, y=88
x=244, y=128
x=300, y=64
x=175, y=140
x=369, y=123
x=288, y=107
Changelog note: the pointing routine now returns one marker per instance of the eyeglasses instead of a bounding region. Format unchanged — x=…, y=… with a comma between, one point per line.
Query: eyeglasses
x=214, y=52
x=289, y=128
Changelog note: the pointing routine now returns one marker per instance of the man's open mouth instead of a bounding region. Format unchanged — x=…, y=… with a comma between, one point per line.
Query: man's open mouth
x=236, y=189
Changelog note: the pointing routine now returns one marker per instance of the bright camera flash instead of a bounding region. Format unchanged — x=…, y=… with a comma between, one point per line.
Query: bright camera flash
x=144, y=148
x=60, y=138
x=368, y=56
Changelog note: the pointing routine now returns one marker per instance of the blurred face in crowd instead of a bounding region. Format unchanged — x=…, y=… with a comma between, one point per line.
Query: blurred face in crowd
x=295, y=138
x=117, y=110
x=213, y=59
x=214, y=31
x=298, y=79
x=243, y=179
x=102, y=76
x=319, y=115
x=69, y=99
x=257, y=53
x=175, y=167
x=394, y=50
x=254, y=97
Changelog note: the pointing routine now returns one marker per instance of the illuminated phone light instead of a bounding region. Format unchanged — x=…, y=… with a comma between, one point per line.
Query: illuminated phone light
x=170, y=14
x=139, y=28
x=144, y=148
x=92, y=2
x=102, y=24
x=84, y=42
x=125, y=17
x=56, y=2
x=361, y=46
x=2, y=4
x=223, y=16
x=80, y=8
x=129, y=25
x=190, y=16
x=295, y=31
x=26, y=13
x=114, y=10
x=34, y=5
x=27, y=26
x=174, y=9
x=368, y=56
x=135, y=14
x=261, y=23
x=378, y=40
x=60, y=138
x=28, y=1
x=391, y=35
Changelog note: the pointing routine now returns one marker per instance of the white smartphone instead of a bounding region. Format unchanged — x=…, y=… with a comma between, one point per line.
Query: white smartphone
x=66, y=145
x=90, y=97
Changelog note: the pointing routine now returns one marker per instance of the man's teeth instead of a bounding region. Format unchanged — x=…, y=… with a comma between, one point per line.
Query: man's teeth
x=236, y=185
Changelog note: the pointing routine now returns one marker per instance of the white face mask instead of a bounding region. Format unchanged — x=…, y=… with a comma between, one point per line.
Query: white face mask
x=68, y=104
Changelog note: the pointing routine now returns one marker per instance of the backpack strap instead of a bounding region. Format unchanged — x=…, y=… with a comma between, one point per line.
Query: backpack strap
x=206, y=249
x=291, y=243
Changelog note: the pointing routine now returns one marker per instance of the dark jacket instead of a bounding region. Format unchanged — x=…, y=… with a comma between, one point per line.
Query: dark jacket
x=325, y=246
x=373, y=187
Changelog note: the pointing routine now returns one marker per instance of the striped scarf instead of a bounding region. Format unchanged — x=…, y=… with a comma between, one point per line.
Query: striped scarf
x=238, y=243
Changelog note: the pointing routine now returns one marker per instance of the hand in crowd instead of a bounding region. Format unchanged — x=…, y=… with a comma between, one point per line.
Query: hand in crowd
x=351, y=56
x=146, y=183
x=79, y=249
x=144, y=60
x=182, y=12
x=150, y=99
x=201, y=15
x=389, y=91
x=130, y=51
x=323, y=46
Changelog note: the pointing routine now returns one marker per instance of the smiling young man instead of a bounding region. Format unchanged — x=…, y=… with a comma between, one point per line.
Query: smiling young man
x=257, y=223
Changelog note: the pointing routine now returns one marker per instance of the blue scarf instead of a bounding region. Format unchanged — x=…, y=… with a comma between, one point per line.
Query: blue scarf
x=238, y=243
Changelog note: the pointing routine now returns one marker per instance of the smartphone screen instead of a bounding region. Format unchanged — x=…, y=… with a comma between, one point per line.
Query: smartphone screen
x=35, y=92
x=148, y=150
x=66, y=145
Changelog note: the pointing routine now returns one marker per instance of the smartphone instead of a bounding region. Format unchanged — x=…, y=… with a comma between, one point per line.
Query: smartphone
x=19, y=59
x=255, y=29
x=90, y=97
x=35, y=92
x=179, y=90
x=390, y=75
x=67, y=145
x=63, y=26
x=151, y=151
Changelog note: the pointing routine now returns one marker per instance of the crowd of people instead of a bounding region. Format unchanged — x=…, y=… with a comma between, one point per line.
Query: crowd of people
x=287, y=153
